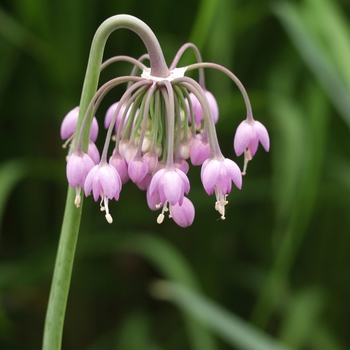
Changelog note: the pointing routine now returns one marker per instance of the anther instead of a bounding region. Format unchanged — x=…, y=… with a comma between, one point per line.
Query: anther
x=160, y=218
x=109, y=218
x=77, y=201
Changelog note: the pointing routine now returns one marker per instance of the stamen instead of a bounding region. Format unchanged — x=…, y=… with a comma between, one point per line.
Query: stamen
x=247, y=158
x=109, y=218
x=220, y=203
x=160, y=218
x=77, y=200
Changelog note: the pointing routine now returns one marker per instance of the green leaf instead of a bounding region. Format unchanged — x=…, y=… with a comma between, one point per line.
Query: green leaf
x=236, y=331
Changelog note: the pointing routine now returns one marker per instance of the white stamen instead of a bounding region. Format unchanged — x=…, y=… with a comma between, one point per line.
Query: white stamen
x=77, y=201
x=109, y=218
x=247, y=158
x=220, y=203
x=160, y=218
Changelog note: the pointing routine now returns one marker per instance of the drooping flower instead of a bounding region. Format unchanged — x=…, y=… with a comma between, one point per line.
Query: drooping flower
x=200, y=150
x=171, y=184
x=198, y=109
x=247, y=138
x=217, y=176
x=69, y=126
x=103, y=181
x=78, y=166
x=183, y=214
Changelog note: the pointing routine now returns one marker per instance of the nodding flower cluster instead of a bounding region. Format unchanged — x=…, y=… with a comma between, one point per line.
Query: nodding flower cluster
x=160, y=123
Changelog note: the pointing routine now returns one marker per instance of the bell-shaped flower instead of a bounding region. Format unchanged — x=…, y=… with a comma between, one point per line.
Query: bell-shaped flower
x=198, y=109
x=137, y=169
x=171, y=185
x=78, y=166
x=120, y=164
x=183, y=214
x=69, y=126
x=217, y=176
x=248, y=135
x=103, y=181
x=200, y=150
x=93, y=152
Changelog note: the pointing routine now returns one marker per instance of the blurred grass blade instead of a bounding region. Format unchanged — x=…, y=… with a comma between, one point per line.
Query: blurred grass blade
x=333, y=28
x=315, y=57
x=204, y=19
x=136, y=324
x=302, y=318
x=236, y=331
x=132, y=335
x=11, y=173
x=21, y=37
x=167, y=260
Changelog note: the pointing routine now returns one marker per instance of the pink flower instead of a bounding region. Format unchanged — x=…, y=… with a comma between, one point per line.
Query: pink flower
x=137, y=169
x=200, y=150
x=120, y=164
x=78, y=166
x=217, y=176
x=171, y=185
x=93, y=152
x=69, y=125
x=198, y=109
x=104, y=181
x=248, y=135
x=183, y=214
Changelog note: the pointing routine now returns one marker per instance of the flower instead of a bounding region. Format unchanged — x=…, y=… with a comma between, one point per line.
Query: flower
x=171, y=185
x=183, y=214
x=247, y=137
x=69, y=126
x=217, y=176
x=103, y=181
x=198, y=109
x=200, y=150
x=78, y=166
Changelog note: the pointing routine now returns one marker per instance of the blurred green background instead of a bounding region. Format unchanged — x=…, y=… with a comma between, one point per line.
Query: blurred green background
x=274, y=274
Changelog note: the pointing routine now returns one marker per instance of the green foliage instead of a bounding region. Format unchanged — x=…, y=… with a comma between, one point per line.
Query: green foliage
x=274, y=272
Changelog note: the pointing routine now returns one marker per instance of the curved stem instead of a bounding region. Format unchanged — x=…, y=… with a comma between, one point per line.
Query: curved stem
x=157, y=61
x=179, y=54
x=168, y=96
x=129, y=59
x=192, y=86
x=233, y=77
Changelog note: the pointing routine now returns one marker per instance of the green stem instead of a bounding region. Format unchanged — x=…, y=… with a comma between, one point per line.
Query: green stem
x=156, y=57
x=54, y=321
x=62, y=275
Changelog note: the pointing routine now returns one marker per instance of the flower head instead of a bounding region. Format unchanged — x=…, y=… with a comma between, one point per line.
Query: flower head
x=161, y=120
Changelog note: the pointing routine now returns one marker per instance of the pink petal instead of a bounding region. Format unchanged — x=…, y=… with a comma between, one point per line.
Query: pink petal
x=244, y=135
